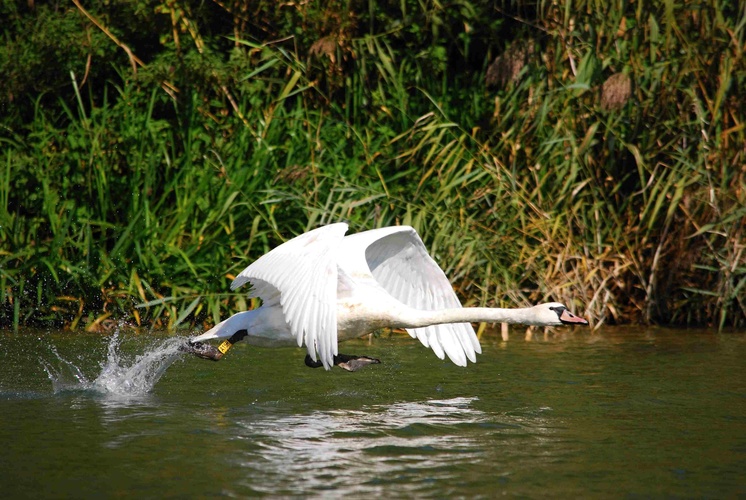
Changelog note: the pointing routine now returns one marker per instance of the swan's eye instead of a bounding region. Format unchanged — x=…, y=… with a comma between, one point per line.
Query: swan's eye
x=558, y=309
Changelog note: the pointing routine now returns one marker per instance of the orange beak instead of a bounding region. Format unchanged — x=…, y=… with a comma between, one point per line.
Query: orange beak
x=569, y=318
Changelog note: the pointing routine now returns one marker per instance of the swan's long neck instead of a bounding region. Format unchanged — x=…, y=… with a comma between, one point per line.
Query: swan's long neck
x=522, y=316
x=266, y=326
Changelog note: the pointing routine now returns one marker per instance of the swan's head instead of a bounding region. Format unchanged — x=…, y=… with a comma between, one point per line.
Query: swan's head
x=555, y=314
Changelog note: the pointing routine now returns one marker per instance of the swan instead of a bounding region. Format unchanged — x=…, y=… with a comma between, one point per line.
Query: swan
x=324, y=287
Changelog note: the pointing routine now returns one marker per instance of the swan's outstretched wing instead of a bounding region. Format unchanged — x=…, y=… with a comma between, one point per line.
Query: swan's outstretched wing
x=399, y=261
x=304, y=272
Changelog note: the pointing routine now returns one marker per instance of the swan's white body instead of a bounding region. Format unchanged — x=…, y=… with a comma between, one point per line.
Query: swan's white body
x=323, y=287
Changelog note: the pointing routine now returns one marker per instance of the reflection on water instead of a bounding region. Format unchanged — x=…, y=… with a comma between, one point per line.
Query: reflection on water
x=351, y=451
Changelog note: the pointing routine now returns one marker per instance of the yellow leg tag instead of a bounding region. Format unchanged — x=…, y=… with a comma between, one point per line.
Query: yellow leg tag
x=224, y=346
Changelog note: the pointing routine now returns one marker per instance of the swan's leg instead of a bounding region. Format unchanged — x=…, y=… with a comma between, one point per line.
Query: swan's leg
x=345, y=361
x=311, y=363
x=207, y=351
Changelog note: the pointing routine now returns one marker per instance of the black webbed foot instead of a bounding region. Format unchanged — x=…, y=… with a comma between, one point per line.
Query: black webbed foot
x=354, y=363
x=345, y=361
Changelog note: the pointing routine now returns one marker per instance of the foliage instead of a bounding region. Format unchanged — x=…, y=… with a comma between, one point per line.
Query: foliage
x=584, y=152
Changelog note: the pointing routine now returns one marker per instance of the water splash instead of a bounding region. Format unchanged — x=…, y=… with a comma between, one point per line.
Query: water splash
x=66, y=376
x=138, y=377
x=120, y=375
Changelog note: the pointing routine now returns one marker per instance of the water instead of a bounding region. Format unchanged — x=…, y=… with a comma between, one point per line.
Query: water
x=620, y=413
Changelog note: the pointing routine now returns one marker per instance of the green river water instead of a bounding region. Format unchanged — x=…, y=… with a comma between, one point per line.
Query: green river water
x=619, y=413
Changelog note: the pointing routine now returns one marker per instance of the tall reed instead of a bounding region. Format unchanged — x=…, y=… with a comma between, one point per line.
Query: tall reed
x=602, y=167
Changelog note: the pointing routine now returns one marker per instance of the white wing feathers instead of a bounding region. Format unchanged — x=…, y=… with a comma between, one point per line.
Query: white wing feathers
x=304, y=272
x=302, y=276
x=400, y=263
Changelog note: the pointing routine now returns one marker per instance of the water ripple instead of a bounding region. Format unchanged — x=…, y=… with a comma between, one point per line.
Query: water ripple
x=323, y=450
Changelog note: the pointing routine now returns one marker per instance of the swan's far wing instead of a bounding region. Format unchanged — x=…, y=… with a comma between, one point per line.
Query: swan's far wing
x=400, y=263
x=304, y=272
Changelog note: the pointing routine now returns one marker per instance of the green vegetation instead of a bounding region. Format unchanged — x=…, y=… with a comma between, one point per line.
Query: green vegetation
x=587, y=152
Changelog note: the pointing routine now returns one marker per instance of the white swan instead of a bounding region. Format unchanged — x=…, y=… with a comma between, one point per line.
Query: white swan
x=323, y=287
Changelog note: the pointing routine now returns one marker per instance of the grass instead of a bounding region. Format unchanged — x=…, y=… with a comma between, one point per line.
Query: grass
x=122, y=203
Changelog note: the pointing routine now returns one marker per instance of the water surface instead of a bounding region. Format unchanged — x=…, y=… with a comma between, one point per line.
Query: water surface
x=620, y=413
